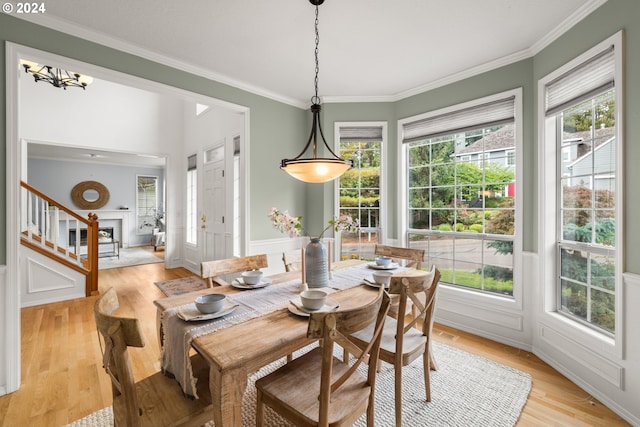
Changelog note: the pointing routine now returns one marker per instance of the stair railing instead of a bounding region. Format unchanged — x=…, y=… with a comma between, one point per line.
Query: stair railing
x=45, y=225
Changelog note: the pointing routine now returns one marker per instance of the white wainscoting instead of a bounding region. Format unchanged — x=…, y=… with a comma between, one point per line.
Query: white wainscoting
x=274, y=249
x=45, y=281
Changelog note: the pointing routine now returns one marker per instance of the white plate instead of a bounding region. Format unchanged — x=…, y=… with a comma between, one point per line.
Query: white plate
x=191, y=314
x=239, y=283
x=330, y=305
x=391, y=266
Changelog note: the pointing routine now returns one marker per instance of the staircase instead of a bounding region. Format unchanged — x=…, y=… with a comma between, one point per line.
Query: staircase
x=41, y=223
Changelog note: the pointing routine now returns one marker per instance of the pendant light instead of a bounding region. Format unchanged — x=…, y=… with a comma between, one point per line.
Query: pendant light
x=316, y=169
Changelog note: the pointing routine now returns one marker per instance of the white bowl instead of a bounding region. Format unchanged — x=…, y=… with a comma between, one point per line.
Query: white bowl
x=210, y=303
x=382, y=277
x=383, y=261
x=313, y=299
x=252, y=277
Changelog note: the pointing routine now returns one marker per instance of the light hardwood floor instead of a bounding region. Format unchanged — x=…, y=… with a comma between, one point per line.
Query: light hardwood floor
x=63, y=379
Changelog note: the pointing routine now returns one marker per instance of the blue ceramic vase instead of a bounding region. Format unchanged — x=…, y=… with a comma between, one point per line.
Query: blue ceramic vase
x=316, y=264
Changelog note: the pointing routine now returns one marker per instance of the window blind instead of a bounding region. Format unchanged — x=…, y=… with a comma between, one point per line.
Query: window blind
x=483, y=115
x=192, y=162
x=594, y=76
x=357, y=134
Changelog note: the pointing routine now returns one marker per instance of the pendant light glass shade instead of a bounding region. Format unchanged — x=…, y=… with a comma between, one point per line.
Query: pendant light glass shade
x=316, y=169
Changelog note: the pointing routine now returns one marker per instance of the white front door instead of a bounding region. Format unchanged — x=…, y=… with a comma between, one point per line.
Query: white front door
x=214, y=205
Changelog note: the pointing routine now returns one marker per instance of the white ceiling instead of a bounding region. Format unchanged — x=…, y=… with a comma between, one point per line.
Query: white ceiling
x=370, y=50
x=75, y=154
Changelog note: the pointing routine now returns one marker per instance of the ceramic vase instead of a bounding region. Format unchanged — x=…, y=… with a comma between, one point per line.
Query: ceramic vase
x=315, y=259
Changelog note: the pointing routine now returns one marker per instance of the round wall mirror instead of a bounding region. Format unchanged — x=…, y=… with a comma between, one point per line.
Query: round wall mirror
x=90, y=195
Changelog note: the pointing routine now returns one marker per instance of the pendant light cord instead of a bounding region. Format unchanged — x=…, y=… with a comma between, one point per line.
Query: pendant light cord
x=316, y=99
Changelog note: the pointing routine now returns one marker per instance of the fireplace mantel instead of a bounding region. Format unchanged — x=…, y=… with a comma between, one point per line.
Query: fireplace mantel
x=107, y=214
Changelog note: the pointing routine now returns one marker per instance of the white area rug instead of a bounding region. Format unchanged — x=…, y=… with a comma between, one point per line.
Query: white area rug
x=129, y=256
x=467, y=390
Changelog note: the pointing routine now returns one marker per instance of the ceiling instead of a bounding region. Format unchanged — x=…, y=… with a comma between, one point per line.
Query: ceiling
x=370, y=50
x=77, y=154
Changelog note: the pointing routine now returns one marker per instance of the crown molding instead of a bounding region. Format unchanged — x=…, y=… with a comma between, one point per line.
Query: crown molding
x=124, y=46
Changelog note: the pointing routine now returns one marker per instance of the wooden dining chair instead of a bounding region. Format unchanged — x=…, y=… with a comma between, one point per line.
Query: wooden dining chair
x=212, y=270
x=292, y=260
x=155, y=400
x=413, y=258
x=401, y=342
x=318, y=389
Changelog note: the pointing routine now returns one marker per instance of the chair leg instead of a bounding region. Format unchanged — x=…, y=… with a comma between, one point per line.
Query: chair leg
x=398, y=393
x=426, y=368
x=259, y=409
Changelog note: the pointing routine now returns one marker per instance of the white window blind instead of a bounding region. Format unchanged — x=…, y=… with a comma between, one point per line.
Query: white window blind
x=192, y=162
x=482, y=115
x=594, y=76
x=361, y=134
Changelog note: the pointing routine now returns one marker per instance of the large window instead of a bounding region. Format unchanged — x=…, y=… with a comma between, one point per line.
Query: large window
x=581, y=126
x=460, y=192
x=147, y=212
x=360, y=187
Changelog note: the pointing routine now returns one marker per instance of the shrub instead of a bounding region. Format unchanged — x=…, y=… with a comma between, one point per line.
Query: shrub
x=477, y=228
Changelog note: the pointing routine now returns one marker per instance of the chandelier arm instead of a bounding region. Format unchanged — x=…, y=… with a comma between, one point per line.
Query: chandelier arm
x=325, y=143
x=304, y=150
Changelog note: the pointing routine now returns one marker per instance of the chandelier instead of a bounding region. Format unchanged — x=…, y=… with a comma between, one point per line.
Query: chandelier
x=56, y=76
x=316, y=169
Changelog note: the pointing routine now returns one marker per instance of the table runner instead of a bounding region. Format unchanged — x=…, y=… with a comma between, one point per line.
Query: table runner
x=178, y=334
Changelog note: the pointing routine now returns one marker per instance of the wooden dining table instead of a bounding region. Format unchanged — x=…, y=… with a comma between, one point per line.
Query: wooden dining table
x=235, y=352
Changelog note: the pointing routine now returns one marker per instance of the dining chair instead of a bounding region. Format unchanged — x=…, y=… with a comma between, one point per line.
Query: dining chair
x=414, y=258
x=212, y=270
x=292, y=260
x=318, y=389
x=155, y=400
x=401, y=342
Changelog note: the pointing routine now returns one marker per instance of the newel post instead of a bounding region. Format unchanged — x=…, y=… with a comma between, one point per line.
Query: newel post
x=92, y=254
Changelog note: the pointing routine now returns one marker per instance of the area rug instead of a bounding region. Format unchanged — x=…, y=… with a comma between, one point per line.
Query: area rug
x=467, y=390
x=182, y=285
x=129, y=257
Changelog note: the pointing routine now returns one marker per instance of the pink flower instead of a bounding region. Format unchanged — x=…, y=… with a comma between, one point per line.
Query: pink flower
x=291, y=225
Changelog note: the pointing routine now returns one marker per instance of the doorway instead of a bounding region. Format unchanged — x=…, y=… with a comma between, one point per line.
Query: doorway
x=17, y=164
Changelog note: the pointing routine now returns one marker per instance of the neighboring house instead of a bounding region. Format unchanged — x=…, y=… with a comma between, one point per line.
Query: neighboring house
x=497, y=147
x=578, y=159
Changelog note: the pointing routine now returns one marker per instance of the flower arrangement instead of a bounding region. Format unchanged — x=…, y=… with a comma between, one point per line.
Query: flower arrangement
x=291, y=225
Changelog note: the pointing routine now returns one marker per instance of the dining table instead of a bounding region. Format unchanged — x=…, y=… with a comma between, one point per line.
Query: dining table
x=262, y=329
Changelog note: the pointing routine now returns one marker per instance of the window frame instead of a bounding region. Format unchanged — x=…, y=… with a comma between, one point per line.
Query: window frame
x=191, y=202
x=491, y=300
x=382, y=233
x=549, y=161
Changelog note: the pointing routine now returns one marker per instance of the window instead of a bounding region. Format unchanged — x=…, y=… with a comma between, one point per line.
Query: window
x=581, y=130
x=460, y=202
x=147, y=212
x=360, y=187
x=192, y=200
